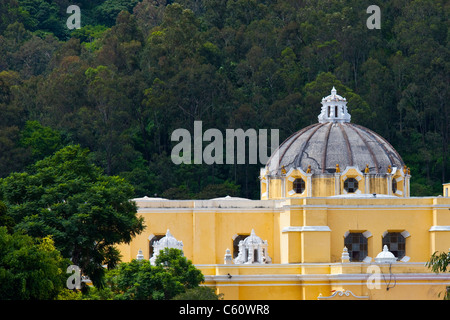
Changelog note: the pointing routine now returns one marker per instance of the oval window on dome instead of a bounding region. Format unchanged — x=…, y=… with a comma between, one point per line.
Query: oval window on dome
x=299, y=185
x=351, y=185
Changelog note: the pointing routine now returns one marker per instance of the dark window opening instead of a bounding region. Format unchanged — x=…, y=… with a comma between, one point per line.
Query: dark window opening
x=351, y=185
x=236, y=244
x=299, y=185
x=395, y=242
x=356, y=244
x=152, y=241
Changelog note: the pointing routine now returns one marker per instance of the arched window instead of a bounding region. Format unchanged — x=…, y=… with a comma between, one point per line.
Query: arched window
x=356, y=244
x=236, y=244
x=395, y=242
x=351, y=185
x=299, y=185
x=152, y=241
x=394, y=185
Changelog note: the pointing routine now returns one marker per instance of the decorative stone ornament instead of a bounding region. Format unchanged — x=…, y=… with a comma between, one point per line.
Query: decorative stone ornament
x=345, y=256
x=252, y=250
x=228, y=259
x=334, y=109
x=385, y=256
x=140, y=256
x=168, y=241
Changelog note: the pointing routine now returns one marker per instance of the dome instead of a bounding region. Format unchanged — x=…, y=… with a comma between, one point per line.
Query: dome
x=385, y=256
x=333, y=96
x=252, y=239
x=228, y=198
x=168, y=241
x=334, y=140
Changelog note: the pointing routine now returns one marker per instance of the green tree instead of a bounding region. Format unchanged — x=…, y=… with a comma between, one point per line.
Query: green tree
x=30, y=268
x=43, y=141
x=439, y=262
x=219, y=190
x=86, y=212
x=5, y=220
x=171, y=275
x=108, y=11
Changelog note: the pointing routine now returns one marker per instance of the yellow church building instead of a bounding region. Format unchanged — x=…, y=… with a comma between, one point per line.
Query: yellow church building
x=335, y=221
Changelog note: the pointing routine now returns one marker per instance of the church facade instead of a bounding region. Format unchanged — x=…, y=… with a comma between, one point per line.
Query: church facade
x=335, y=221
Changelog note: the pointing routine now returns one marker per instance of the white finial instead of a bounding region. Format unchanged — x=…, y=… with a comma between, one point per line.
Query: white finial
x=385, y=256
x=334, y=108
x=140, y=256
x=345, y=256
x=228, y=259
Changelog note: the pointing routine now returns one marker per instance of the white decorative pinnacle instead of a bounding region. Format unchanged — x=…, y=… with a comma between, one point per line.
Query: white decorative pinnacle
x=252, y=250
x=168, y=241
x=334, y=108
x=228, y=258
x=333, y=91
x=345, y=256
x=385, y=256
x=140, y=256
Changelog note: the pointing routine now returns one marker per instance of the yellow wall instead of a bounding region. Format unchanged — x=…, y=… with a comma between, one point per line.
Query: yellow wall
x=325, y=185
x=446, y=190
x=305, y=239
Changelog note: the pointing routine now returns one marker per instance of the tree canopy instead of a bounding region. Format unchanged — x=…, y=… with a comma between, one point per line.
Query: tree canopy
x=172, y=275
x=138, y=70
x=86, y=212
x=30, y=268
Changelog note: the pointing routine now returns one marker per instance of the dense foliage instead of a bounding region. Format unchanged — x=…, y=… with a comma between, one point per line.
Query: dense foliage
x=138, y=70
x=84, y=211
x=30, y=268
x=172, y=277
x=440, y=262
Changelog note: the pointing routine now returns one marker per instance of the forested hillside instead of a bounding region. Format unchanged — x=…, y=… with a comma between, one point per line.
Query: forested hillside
x=138, y=70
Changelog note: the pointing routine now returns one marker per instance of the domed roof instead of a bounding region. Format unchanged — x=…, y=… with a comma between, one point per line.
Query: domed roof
x=252, y=239
x=168, y=241
x=333, y=96
x=327, y=143
x=385, y=256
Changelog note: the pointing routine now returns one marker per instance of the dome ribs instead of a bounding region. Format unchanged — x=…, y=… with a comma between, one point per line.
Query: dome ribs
x=382, y=144
x=347, y=143
x=291, y=140
x=374, y=158
x=307, y=141
x=333, y=141
x=379, y=143
x=324, y=154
